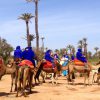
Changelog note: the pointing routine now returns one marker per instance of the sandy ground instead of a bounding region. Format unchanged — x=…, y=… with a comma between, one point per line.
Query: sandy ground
x=46, y=91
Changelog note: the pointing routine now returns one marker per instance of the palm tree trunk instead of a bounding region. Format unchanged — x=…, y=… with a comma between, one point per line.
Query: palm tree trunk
x=28, y=36
x=36, y=25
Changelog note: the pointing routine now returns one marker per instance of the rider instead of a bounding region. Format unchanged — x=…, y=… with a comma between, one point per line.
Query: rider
x=56, y=55
x=65, y=56
x=28, y=54
x=18, y=54
x=49, y=57
x=80, y=56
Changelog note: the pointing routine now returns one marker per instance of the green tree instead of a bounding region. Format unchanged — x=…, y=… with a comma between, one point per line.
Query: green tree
x=89, y=54
x=96, y=49
x=5, y=49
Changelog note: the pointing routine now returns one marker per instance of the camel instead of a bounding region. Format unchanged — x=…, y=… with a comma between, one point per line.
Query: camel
x=8, y=69
x=54, y=72
x=95, y=71
x=25, y=75
x=81, y=69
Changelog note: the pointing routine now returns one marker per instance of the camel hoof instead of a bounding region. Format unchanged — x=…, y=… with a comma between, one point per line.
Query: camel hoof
x=30, y=91
x=16, y=95
x=43, y=81
x=25, y=95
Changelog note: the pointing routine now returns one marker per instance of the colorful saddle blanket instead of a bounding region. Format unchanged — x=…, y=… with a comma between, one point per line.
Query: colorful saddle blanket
x=26, y=63
x=48, y=65
x=78, y=62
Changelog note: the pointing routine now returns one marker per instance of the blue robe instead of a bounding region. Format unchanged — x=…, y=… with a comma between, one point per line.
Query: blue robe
x=80, y=56
x=18, y=53
x=48, y=56
x=29, y=55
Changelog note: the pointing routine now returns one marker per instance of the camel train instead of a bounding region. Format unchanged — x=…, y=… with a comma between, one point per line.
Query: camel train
x=22, y=77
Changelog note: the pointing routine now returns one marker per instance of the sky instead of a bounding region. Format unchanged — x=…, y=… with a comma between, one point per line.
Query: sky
x=61, y=22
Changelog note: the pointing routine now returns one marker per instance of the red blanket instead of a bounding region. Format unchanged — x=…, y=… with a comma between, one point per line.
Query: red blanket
x=78, y=62
x=48, y=64
x=26, y=63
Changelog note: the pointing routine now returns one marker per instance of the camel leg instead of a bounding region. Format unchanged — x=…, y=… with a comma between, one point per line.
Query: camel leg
x=84, y=79
x=25, y=77
x=19, y=82
x=88, y=76
x=30, y=81
x=52, y=78
x=56, y=78
x=43, y=77
x=93, y=79
x=11, y=82
x=16, y=83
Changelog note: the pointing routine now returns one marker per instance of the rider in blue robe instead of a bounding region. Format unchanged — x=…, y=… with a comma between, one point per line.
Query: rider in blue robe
x=18, y=53
x=49, y=58
x=29, y=54
x=80, y=56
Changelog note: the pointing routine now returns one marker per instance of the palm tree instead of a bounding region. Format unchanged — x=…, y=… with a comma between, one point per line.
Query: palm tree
x=73, y=51
x=99, y=54
x=89, y=54
x=27, y=17
x=36, y=23
x=96, y=49
x=80, y=44
x=32, y=37
x=85, y=46
x=70, y=48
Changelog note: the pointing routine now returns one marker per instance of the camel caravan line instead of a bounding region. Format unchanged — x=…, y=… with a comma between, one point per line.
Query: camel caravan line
x=21, y=76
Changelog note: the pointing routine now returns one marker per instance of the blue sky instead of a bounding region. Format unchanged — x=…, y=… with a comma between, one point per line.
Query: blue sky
x=61, y=22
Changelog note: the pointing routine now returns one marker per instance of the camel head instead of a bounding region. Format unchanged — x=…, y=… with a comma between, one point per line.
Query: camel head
x=10, y=62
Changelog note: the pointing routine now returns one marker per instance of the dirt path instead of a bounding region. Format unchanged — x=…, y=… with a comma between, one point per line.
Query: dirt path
x=46, y=91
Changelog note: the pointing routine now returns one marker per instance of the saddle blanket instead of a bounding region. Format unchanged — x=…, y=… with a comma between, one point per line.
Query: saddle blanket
x=47, y=64
x=26, y=63
x=78, y=62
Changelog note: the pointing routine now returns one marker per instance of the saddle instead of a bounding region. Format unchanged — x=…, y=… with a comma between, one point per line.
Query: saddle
x=48, y=65
x=26, y=63
x=78, y=62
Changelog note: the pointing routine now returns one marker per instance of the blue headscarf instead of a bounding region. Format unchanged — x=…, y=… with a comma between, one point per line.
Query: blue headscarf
x=18, y=52
x=48, y=56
